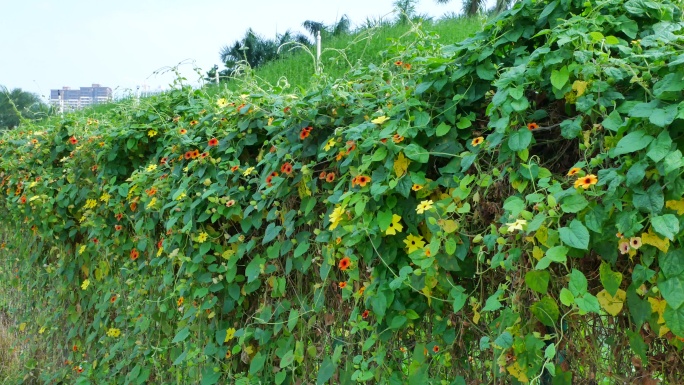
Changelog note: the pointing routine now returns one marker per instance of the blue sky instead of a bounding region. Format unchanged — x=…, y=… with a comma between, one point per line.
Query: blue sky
x=48, y=44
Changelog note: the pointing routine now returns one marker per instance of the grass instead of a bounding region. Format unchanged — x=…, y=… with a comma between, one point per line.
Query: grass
x=366, y=47
x=23, y=307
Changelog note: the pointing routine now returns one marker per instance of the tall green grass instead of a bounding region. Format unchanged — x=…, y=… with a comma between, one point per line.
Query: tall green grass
x=366, y=47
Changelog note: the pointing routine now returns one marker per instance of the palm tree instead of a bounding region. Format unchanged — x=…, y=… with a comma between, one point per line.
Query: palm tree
x=340, y=27
x=407, y=10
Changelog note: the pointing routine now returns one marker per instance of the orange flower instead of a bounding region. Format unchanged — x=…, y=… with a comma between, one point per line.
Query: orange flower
x=230, y=203
x=586, y=181
x=204, y=155
x=351, y=146
x=234, y=168
x=180, y=301
x=118, y=216
x=365, y=314
x=229, y=354
x=74, y=348
x=188, y=155
x=195, y=154
x=362, y=180
x=112, y=299
x=340, y=155
x=342, y=285
x=361, y=290
x=398, y=63
x=407, y=66
x=193, y=122
x=477, y=141
x=134, y=254
x=330, y=177
x=164, y=160
x=532, y=126
x=151, y=191
x=304, y=134
x=213, y=142
x=396, y=138
x=322, y=175
x=96, y=241
x=269, y=179
x=344, y=263
x=160, y=244
x=73, y=140
x=574, y=171
x=435, y=348
x=286, y=110
x=78, y=369
x=183, y=131
x=383, y=140
x=286, y=168
x=118, y=227
x=133, y=206
x=22, y=199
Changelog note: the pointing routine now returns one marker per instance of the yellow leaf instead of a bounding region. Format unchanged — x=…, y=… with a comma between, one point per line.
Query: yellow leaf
x=427, y=292
x=663, y=330
x=449, y=226
x=401, y=164
x=380, y=120
x=516, y=371
x=658, y=306
x=542, y=235
x=612, y=305
x=676, y=205
x=476, y=314
x=537, y=253
x=579, y=86
x=652, y=239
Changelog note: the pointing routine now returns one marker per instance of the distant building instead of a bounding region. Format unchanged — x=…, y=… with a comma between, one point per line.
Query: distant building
x=80, y=98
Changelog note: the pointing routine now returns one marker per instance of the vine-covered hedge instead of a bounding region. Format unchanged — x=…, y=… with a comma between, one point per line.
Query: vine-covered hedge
x=503, y=209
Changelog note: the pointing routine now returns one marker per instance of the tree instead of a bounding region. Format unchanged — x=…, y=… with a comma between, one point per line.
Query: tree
x=18, y=104
x=407, y=10
x=255, y=50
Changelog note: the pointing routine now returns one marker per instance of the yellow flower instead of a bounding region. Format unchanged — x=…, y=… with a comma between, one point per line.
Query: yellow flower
x=222, y=102
x=336, y=217
x=153, y=201
x=416, y=187
x=181, y=196
x=248, y=171
x=85, y=284
x=105, y=198
x=90, y=203
x=586, y=181
x=414, y=242
x=82, y=249
x=230, y=333
x=574, y=171
x=395, y=226
x=477, y=141
x=380, y=120
x=202, y=237
x=151, y=133
x=517, y=225
x=160, y=251
x=424, y=206
x=331, y=143
x=114, y=332
x=151, y=167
